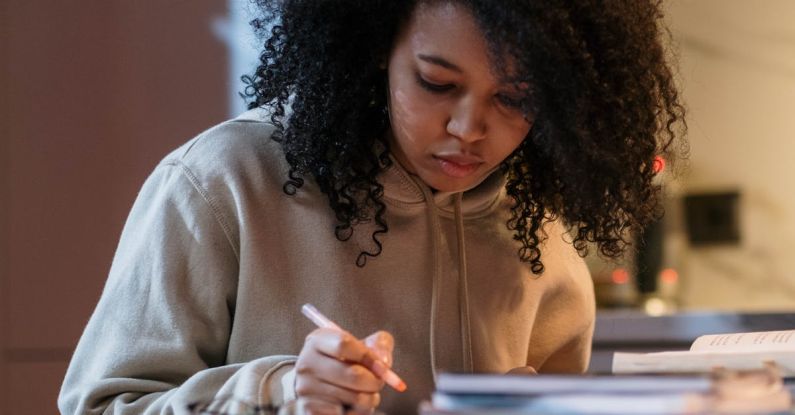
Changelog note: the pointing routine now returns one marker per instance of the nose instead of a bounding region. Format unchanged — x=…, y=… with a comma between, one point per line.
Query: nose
x=467, y=121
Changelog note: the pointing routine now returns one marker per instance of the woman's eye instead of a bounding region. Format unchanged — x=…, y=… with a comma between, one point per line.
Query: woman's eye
x=432, y=87
x=510, y=102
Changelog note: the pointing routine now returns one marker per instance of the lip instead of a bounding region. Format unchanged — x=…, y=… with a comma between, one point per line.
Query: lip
x=458, y=165
x=459, y=158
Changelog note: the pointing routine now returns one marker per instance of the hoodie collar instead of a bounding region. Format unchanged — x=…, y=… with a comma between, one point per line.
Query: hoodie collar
x=405, y=189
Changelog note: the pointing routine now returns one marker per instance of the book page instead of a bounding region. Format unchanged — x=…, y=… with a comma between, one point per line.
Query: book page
x=701, y=362
x=746, y=342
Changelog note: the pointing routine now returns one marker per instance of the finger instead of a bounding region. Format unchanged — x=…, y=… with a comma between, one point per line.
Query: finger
x=345, y=347
x=314, y=364
x=363, y=401
x=337, y=344
x=523, y=370
x=314, y=406
x=382, y=344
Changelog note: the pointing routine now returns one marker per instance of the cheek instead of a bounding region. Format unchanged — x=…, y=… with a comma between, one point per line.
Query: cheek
x=514, y=138
x=413, y=120
x=404, y=114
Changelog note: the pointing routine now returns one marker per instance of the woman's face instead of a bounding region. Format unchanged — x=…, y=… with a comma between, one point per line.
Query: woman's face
x=452, y=121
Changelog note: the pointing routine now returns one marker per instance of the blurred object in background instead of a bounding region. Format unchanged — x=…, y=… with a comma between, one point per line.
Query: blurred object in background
x=713, y=218
x=614, y=285
x=656, y=284
x=659, y=250
x=649, y=243
x=649, y=257
x=648, y=277
x=649, y=281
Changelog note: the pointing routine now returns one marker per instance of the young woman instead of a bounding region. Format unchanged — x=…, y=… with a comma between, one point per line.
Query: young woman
x=427, y=171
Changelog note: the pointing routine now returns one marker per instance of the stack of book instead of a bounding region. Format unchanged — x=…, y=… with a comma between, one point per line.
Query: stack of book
x=721, y=374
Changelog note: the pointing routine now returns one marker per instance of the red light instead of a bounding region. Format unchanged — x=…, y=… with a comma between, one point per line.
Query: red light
x=658, y=165
x=620, y=276
x=669, y=276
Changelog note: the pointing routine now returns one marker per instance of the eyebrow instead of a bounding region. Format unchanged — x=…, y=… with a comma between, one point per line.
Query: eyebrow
x=437, y=60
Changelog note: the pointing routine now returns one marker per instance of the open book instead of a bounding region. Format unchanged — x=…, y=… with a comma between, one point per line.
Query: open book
x=737, y=351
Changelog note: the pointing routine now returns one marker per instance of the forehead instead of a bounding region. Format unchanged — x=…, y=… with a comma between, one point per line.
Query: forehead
x=448, y=30
x=446, y=23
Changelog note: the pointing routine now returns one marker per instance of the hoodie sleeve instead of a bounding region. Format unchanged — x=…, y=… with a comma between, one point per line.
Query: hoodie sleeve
x=565, y=324
x=573, y=357
x=158, y=338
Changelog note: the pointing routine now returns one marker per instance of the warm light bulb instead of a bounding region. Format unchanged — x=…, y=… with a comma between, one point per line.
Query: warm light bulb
x=658, y=165
x=669, y=276
x=620, y=276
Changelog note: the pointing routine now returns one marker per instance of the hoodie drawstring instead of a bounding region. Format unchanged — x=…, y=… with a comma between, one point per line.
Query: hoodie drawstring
x=463, y=291
x=433, y=218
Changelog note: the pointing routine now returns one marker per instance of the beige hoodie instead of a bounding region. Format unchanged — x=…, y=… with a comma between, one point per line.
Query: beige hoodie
x=204, y=294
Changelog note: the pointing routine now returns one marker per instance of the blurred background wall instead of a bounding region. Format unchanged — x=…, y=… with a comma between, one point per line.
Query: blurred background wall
x=738, y=72
x=94, y=93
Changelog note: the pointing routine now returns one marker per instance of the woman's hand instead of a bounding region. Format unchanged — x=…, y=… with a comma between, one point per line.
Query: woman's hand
x=335, y=367
x=522, y=370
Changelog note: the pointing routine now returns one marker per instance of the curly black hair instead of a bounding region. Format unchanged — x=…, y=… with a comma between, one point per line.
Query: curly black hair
x=602, y=95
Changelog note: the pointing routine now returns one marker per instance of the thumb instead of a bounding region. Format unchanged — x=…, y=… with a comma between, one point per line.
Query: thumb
x=382, y=344
x=522, y=370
